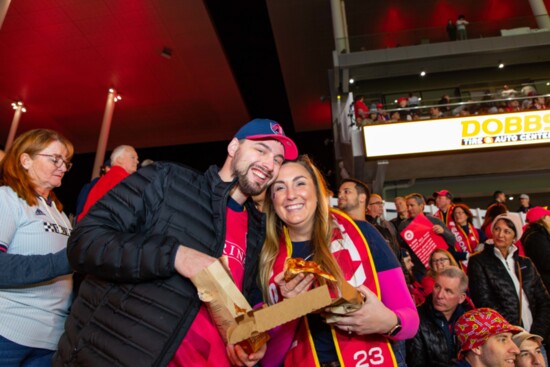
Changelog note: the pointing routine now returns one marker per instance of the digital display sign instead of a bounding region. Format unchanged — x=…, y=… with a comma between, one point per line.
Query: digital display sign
x=460, y=133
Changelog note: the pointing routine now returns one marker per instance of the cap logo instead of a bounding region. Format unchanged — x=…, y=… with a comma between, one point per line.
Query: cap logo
x=276, y=128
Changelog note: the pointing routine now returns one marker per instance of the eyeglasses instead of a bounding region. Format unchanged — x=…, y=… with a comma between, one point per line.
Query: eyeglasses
x=377, y=203
x=442, y=260
x=57, y=160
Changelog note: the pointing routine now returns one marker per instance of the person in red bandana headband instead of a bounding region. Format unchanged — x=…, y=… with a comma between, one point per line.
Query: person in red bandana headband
x=300, y=223
x=486, y=339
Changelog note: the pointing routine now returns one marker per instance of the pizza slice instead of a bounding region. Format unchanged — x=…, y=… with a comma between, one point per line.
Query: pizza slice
x=296, y=265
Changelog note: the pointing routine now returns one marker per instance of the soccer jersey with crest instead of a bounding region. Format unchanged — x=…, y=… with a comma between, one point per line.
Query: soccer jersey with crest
x=33, y=315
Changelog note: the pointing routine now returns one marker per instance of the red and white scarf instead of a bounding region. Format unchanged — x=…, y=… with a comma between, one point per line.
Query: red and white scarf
x=351, y=250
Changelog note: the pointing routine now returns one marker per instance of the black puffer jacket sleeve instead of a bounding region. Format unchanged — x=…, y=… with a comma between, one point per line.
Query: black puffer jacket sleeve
x=417, y=351
x=481, y=290
x=539, y=301
x=113, y=242
x=536, y=242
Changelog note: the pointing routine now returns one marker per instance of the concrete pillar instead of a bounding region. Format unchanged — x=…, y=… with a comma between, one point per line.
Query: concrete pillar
x=112, y=97
x=540, y=13
x=19, y=109
x=4, y=5
x=339, y=26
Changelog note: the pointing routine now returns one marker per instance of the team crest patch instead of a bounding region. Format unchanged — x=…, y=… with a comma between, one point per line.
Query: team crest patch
x=55, y=228
x=277, y=129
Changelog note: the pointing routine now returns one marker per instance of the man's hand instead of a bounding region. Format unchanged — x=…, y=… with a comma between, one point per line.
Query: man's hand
x=238, y=357
x=190, y=262
x=438, y=229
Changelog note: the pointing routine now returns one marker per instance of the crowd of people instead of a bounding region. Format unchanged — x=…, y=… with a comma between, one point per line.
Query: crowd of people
x=407, y=108
x=115, y=288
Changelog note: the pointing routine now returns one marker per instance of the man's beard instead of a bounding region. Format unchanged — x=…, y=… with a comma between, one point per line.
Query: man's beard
x=249, y=188
x=349, y=206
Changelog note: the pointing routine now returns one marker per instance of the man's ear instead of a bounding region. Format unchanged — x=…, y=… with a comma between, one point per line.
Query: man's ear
x=476, y=350
x=461, y=298
x=233, y=146
x=362, y=198
x=26, y=160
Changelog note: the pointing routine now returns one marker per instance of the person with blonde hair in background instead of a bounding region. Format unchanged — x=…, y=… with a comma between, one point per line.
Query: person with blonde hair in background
x=36, y=281
x=439, y=260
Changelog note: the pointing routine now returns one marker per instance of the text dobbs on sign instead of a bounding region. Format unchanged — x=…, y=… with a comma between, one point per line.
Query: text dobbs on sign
x=511, y=124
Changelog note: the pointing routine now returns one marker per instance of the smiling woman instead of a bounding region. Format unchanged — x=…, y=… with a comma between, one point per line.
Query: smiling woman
x=36, y=280
x=300, y=224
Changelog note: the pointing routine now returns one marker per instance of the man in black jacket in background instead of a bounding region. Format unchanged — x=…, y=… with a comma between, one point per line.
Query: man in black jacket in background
x=140, y=244
x=435, y=344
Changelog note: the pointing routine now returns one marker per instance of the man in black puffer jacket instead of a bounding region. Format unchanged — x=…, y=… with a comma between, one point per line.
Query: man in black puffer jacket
x=435, y=343
x=140, y=244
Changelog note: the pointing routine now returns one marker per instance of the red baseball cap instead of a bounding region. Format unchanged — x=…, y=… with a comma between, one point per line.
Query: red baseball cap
x=261, y=129
x=446, y=193
x=476, y=326
x=534, y=214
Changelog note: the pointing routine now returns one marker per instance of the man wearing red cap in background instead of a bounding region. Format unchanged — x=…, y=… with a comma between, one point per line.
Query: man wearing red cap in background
x=486, y=339
x=536, y=241
x=148, y=236
x=530, y=350
x=404, y=115
x=444, y=202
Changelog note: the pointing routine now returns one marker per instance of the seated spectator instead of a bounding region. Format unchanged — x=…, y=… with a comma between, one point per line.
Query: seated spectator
x=536, y=241
x=435, y=112
x=524, y=204
x=498, y=197
x=415, y=287
x=415, y=207
x=404, y=114
x=124, y=162
x=444, y=202
x=439, y=261
x=413, y=101
x=361, y=110
x=444, y=104
x=485, y=339
x=435, y=344
x=395, y=116
x=85, y=191
x=507, y=282
x=508, y=92
x=467, y=236
x=538, y=104
x=401, y=209
x=375, y=216
x=512, y=106
x=530, y=350
x=492, y=212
